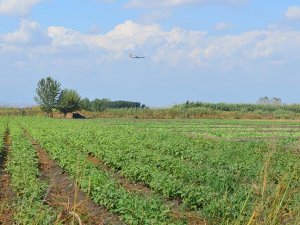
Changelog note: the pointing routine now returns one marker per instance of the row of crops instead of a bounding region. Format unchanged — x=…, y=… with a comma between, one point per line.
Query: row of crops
x=22, y=165
x=221, y=180
x=23, y=168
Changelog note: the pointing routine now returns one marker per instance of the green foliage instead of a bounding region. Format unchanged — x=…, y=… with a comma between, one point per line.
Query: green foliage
x=85, y=104
x=47, y=92
x=68, y=101
x=98, y=105
x=24, y=172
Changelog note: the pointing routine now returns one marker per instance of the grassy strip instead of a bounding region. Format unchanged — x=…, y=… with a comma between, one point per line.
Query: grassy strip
x=23, y=168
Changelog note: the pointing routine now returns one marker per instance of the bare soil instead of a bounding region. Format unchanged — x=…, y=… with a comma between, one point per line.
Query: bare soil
x=65, y=196
x=6, y=193
x=191, y=217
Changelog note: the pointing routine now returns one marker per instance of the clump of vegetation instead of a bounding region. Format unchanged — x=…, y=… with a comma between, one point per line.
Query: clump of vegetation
x=99, y=105
x=50, y=96
x=68, y=101
x=47, y=92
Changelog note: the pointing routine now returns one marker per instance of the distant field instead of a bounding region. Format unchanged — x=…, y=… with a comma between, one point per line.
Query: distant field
x=135, y=171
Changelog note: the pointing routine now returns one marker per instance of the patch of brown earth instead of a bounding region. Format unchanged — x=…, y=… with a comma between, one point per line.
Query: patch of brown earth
x=6, y=193
x=191, y=217
x=65, y=196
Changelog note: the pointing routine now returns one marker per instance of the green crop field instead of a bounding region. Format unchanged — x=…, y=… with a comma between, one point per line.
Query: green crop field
x=151, y=171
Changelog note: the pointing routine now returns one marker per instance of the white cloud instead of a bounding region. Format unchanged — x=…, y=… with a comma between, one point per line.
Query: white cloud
x=293, y=13
x=17, y=7
x=62, y=36
x=179, y=46
x=130, y=36
x=29, y=32
x=174, y=3
x=23, y=34
x=175, y=47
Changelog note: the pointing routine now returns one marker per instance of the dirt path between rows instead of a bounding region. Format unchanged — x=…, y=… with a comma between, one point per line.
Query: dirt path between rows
x=6, y=193
x=191, y=217
x=129, y=186
x=65, y=196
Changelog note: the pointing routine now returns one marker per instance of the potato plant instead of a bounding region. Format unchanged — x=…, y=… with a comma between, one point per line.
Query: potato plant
x=23, y=169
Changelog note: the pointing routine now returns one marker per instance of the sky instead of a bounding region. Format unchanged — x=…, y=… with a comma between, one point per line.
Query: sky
x=233, y=51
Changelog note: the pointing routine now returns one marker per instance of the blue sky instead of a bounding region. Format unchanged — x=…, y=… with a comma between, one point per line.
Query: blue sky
x=198, y=50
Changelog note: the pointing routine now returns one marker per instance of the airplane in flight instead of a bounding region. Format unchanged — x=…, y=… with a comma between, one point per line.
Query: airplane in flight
x=136, y=57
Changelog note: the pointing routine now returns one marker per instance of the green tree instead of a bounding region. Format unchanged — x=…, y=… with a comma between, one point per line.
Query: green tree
x=85, y=104
x=68, y=101
x=47, y=92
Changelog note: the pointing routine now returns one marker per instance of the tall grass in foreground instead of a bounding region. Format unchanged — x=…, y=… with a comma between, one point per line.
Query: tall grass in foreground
x=277, y=199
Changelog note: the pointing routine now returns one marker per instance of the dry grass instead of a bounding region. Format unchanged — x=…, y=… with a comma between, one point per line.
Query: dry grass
x=272, y=206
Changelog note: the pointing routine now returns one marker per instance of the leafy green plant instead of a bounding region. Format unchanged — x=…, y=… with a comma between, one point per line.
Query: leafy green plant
x=23, y=169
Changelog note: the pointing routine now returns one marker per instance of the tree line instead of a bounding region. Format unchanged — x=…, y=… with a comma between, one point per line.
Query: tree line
x=50, y=96
x=98, y=105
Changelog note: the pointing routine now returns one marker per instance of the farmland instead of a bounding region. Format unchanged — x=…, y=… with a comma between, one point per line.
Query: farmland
x=150, y=171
